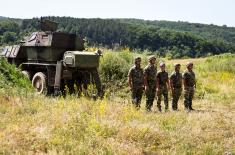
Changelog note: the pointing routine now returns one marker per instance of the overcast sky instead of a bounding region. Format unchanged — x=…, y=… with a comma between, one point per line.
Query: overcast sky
x=219, y=12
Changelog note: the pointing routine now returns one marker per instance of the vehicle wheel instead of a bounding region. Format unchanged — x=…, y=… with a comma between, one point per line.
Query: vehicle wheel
x=26, y=74
x=39, y=82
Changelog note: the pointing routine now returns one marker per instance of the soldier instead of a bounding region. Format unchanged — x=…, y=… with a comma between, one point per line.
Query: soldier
x=189, y=82
x=150, y=82
x=162, y=87
x=176, y=86
x=136, y=82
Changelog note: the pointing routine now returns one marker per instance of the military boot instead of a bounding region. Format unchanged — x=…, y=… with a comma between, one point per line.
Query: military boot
x=159, y=108
x=166, y=107
x=190, y=105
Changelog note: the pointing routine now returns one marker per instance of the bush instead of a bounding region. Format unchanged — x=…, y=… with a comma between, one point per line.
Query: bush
x=220, y=63
x=11, y=77
x=114, y=67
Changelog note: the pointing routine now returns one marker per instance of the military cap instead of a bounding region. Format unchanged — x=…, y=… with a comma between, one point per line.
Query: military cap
x=162, y=64
x=152, y=57
x=177, y=64
x=137, y=58
x=189, y=64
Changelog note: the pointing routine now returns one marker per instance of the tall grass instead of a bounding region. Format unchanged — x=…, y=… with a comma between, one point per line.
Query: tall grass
x=42, y=125
x=34, y=124
x=219, y=63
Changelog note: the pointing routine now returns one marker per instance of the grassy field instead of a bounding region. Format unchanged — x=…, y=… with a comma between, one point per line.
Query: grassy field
x=32, y=124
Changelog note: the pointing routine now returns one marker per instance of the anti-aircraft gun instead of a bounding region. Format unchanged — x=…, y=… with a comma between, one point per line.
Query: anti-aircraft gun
x=53, y=59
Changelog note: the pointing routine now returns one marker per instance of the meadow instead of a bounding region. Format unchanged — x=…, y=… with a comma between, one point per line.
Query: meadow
x=37, y=124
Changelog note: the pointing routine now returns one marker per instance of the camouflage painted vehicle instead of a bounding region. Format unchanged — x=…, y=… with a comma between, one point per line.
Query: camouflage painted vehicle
x=53, y=59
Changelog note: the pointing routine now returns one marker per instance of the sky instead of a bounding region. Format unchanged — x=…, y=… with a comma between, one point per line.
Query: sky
x=218, y=12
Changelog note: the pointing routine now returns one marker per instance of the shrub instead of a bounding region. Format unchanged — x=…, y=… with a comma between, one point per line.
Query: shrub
x=113, y=67
x=11, y=77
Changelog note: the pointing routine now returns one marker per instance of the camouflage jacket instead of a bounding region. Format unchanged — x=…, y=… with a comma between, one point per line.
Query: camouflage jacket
x=137, y=76
x=162, y=77
x=189, y=78
x=150, y=72
x=176, y=78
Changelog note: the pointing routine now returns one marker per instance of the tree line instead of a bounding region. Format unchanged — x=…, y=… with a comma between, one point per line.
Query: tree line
x=166, y=40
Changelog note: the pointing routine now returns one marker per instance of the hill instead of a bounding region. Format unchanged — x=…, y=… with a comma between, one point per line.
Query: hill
x=205, y=31
x=10, y=19
x=171, y=39
x=1, y=17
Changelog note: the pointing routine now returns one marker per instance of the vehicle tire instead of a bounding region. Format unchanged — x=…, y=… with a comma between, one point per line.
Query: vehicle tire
x=26, y=74
x=39, y=82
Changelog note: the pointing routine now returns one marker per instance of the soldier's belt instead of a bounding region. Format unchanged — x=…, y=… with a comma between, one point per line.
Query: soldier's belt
x=163, y=86
x=138, y=83
x=177, y=87
x=189, y=88
x=152, y=82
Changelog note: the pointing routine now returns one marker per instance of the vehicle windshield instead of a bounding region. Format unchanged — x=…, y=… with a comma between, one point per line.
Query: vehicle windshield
x=3, y=51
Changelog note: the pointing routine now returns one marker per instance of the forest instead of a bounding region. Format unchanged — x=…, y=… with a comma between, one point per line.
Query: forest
x=164, y=38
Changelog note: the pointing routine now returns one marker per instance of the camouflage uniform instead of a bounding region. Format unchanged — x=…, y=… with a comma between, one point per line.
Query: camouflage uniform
x=190, y=82
x=150, y=72
x=176, y=79
x=162, y=77
x=137, y=76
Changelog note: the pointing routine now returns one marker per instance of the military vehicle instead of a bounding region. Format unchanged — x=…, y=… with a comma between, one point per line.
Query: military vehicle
x=53, y=59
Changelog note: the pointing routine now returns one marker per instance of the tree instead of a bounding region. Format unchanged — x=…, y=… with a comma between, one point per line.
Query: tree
x=9, y=37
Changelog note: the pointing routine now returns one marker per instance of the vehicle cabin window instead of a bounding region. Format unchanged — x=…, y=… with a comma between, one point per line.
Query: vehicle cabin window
x=33, y=37
x=5, y=50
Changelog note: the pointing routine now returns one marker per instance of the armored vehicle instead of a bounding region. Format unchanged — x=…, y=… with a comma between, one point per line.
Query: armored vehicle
x=52, y=60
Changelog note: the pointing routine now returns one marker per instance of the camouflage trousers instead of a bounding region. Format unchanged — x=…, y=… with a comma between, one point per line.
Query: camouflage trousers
x=176, y=93
x=162, y=92
x=188, y=97
x=150, y=95
x=136, y=95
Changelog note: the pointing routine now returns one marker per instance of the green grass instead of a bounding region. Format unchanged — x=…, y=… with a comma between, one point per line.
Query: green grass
x=82, y=126
x=34, y=124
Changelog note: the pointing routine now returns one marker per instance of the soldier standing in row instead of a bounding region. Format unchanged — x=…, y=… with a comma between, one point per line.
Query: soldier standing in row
x=136, y=82
x=189, y=82
x=176, y=86
x=150, y=82
x=162, y=87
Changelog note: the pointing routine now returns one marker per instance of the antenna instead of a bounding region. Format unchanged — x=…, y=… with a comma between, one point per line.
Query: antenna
x=41, y=23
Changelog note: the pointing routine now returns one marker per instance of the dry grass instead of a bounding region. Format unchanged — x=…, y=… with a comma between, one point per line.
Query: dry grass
x=62, y=126
x=44, y=125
